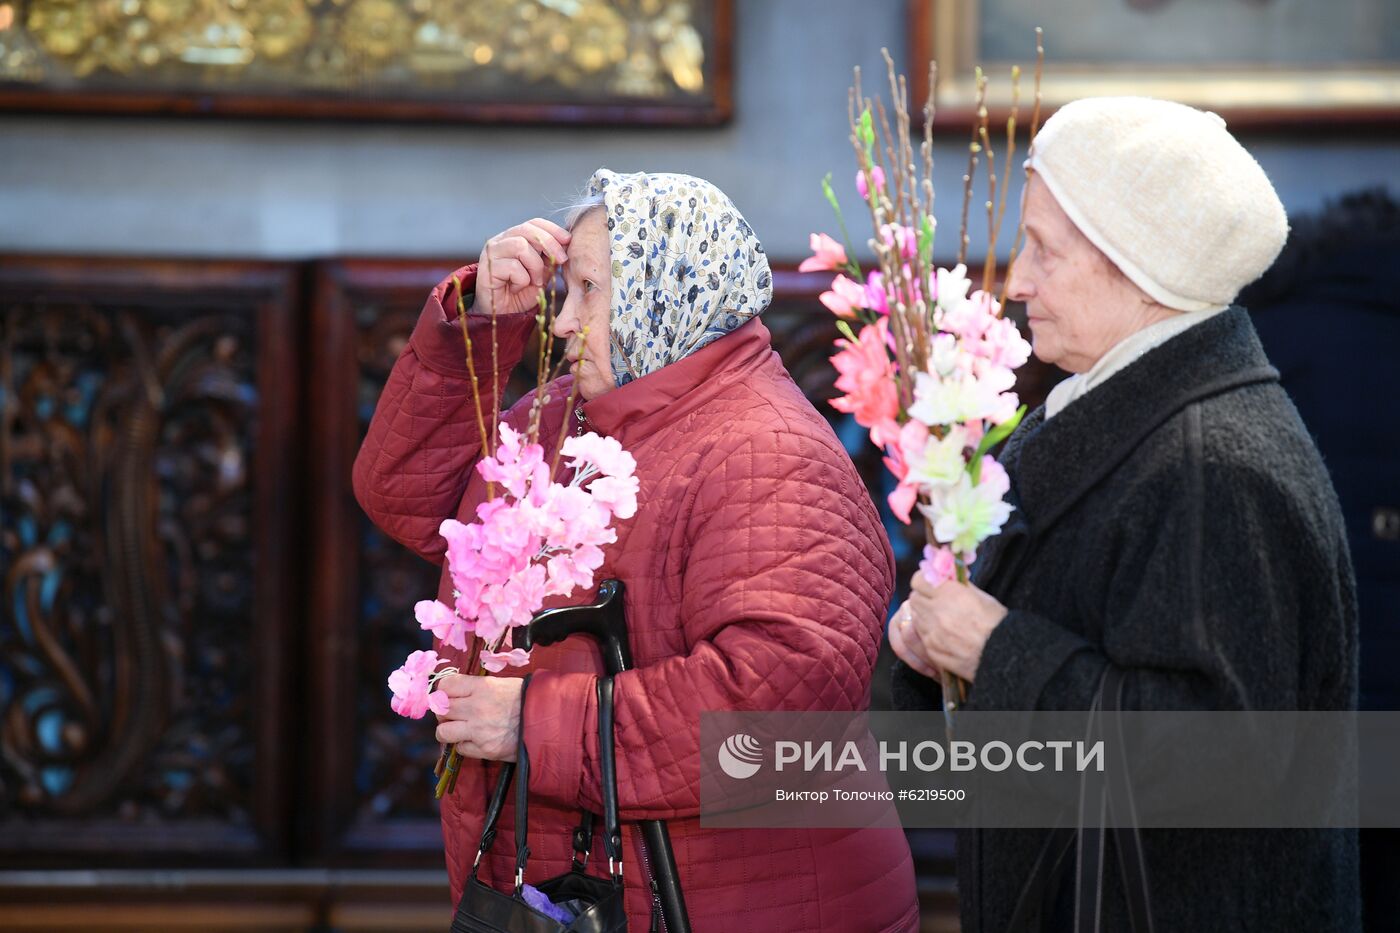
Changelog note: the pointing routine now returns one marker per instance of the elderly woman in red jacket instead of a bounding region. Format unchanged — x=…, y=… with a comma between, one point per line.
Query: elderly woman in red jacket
x=757, y=573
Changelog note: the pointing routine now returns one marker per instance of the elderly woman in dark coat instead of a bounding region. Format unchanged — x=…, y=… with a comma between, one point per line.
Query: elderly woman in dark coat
x=1174, y=521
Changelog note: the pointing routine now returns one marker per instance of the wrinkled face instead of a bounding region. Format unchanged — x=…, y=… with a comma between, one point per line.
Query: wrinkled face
x=1078, y=303
x=588, y=275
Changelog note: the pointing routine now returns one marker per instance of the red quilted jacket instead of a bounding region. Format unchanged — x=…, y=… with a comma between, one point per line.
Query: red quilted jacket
x=757, y=577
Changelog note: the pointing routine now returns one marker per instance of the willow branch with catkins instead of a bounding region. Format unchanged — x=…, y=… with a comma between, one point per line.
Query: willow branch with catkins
x=1030, y=148
x=974, y=147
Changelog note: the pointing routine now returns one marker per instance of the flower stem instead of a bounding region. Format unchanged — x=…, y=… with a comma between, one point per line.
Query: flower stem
x=471, y=371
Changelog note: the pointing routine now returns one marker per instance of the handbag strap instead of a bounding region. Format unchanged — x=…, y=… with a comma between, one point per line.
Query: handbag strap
x=1115, y=797
x=522, y=795
x=498, y=797
x=1126, y=837
x=493, y=813
x=1088, y=885
x=607, y=755
x=1036, y=903
x=583, y=840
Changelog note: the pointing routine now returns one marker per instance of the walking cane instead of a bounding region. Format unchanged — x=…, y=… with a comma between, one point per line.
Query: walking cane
x=605, y=620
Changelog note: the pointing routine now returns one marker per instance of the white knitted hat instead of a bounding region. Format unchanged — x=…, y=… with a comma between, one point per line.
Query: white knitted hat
x=1166, y=193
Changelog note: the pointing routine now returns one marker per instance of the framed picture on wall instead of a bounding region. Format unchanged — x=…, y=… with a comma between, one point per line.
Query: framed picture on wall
x=488, y=61
x=1255, y=62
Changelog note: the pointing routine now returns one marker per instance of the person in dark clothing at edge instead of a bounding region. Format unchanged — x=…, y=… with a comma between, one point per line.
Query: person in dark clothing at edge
x=1173, y=519
x=1328, y=314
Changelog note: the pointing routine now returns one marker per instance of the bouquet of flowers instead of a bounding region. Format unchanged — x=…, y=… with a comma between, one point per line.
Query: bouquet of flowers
x=926, y=362
x=534, y=537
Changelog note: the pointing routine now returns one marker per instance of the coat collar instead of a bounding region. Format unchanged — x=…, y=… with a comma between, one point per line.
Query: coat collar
x=1055, y=463
x=644, y=405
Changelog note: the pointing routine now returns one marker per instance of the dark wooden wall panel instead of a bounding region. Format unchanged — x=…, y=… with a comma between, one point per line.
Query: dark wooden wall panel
x=148, y=409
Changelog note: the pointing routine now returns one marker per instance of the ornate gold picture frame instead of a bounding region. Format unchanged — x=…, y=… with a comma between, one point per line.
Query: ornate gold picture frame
x=531, y=61
x=1255, y=62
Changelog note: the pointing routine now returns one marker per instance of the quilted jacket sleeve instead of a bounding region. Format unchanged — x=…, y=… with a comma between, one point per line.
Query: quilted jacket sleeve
x=787, y=579
x=423, y=441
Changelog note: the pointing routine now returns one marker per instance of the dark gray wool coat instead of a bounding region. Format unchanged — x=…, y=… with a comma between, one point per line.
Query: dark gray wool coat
x=1178, y=522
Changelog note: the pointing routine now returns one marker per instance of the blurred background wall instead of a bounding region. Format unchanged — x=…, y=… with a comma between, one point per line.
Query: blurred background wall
x=220, y=754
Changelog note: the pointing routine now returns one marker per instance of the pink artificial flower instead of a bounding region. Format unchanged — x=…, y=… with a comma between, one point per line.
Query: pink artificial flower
x=908, y=445
x=884, y=432
x=902, y=501
x=513, y=465
x=875, y=298
x=939, y=564
x=459, y=537
x=866, y=376
x=507, y=546
x=411, y=684
x=969, y=318
x=588, y=557
x=604, y=453
x=577, y=520
x=443, y=622
x=499, y=611
x=1001, y=345
x=906, y=239
x=876, y=173
x=827, y=254
x=496, y=661
x=511, y=603
x=616, y=494
x=975, y=430
x=565, y=575
x=845, y=297
x=528, y=590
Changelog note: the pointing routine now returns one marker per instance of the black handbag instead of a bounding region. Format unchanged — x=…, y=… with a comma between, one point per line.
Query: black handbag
x=1085, y=845
x=598, y=900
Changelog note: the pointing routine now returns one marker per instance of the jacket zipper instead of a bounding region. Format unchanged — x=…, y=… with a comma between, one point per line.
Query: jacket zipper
x=581, y=421
x=658, y=922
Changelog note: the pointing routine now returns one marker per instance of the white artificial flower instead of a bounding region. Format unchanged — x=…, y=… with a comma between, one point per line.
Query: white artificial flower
x=964, y=397
x=964, y=515
x=953, y=286
x=941, y=461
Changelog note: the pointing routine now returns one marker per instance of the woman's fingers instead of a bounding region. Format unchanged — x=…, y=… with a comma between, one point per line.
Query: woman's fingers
x=513, y=260
x=548, y=237
x=452, y=731
x=922, y=585
x=457, y=685
x=541, y=236
x=906, y=645
x=509, y=275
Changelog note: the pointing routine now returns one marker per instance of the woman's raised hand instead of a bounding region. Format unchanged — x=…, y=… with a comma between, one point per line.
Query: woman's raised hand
x=515, y=264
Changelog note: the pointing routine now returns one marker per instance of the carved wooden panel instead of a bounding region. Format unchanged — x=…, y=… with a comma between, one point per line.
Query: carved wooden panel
x=370, y=777
x=146, y=428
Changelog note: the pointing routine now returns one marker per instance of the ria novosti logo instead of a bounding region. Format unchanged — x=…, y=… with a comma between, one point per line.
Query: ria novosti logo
x=740, y=756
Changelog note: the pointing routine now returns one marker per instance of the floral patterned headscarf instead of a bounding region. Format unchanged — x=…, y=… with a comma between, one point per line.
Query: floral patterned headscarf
x=686, y=268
